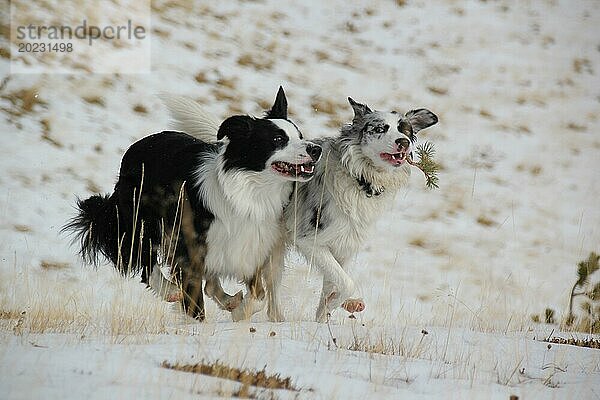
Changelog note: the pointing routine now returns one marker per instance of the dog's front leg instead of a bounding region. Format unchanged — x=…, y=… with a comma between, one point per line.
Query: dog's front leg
x=327, y=292
x=225, y=301
x=337, y=284
x=272, y=272
x=253, y=302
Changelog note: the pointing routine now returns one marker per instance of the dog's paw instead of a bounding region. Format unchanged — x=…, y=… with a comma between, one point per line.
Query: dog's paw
x=233, y=302
x=354, y=305
x=174, y=297
x=239, y=314
x=247, y=309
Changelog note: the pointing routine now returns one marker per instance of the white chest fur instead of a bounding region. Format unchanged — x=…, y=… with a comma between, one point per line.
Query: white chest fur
x=247, y=207
x=238, y=249
x=351, y=214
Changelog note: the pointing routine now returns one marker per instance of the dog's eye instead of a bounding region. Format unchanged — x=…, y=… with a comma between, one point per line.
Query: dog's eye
x=279, y=139
x=382, y=129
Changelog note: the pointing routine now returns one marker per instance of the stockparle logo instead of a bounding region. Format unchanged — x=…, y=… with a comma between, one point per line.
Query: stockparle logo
x=71, y=37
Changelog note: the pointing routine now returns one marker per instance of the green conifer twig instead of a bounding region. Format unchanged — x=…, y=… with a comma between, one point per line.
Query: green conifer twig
x=427, y=164
x=585, y=268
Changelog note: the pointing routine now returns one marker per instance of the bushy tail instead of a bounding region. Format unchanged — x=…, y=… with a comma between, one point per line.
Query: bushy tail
x=96, y=227
x=189, y=117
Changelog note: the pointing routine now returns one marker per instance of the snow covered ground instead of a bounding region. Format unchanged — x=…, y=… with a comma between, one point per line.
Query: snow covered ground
x=516, y=87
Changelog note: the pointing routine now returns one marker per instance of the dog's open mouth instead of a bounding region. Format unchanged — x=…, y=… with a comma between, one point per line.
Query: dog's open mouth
x=395, y=159
x=290, y=170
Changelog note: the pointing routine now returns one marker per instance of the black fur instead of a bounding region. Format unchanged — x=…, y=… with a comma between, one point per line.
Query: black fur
x=157, y=165
x=279, y=109
x=255, y=142
x=93, y=236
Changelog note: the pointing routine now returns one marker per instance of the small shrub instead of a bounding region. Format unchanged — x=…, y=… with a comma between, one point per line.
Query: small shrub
x=590, y=320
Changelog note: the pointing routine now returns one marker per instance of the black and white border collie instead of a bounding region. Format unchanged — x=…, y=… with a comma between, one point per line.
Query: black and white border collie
x=330, y=216
x=208, y=210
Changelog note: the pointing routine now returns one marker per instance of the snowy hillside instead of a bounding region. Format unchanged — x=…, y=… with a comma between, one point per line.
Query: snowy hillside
x=451, y=277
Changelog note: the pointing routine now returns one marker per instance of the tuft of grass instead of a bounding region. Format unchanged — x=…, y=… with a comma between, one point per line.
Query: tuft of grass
x=228, y=83
x=246, y=377
x=588, y=342
x=161, y=32
x=22, y=228
x=9, y=314
x=388, y=346
x=325, y=106
x=439, y=91
x=140, y=109
x=201, y=77
x=418, y=242
x=95, y=100
x=485, y=221
x=256, y=62
x=45, y=264
x=581, y=65
x=55, y=305
x=222, y=94
x=24, y=101
x=576, y=127
x=549, y=316
x=486, y=114
x=590, y=320
x=46, y=129
x=92, y=187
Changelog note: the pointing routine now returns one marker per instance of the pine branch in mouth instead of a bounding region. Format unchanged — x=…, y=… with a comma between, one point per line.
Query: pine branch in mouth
x=426, y=164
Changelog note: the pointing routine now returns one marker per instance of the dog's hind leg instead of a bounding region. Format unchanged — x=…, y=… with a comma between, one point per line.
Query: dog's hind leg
x=193, y=275
x=225, y=301
x=193, y=299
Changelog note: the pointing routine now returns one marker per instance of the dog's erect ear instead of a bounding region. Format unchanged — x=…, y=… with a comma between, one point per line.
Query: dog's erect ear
x=235, y=126
x=360, y=110
x=421, y=119
x=279, y=109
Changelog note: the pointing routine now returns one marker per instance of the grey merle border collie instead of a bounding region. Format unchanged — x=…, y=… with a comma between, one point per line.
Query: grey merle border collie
x=217, y=206
x=361, y=171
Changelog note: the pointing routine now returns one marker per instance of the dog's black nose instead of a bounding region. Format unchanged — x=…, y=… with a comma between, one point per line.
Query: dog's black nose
x=314, y=151
x=403, y=143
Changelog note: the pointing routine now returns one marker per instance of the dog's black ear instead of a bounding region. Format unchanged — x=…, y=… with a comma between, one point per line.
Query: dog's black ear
x=234, y=126
x=279, y=109
x=421, y=119
x=360, y=110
